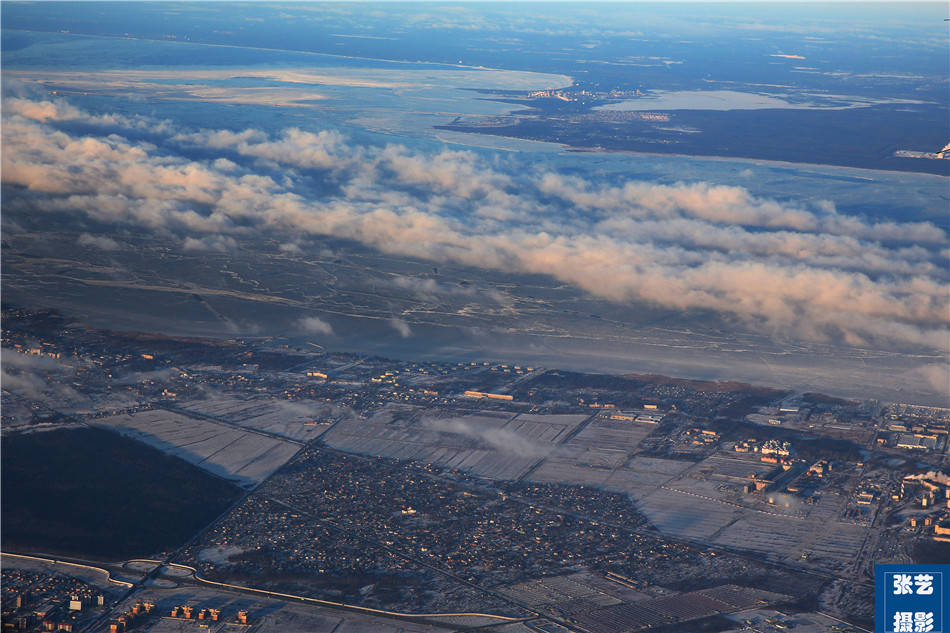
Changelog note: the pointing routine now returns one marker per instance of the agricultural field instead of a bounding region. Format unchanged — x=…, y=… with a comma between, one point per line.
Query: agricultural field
x=244, y=457
x=296, y=420
x=492, y=444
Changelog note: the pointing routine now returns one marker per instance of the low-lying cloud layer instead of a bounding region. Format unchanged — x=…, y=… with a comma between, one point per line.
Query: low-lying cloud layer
x=502, y=440
x=796, y=269
x=315, y=325
x=401, y=327
x=38, y=378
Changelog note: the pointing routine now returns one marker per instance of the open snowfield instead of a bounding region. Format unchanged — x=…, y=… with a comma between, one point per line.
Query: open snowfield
x=245, y=457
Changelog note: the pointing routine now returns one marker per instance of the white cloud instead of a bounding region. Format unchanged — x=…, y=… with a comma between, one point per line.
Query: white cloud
x=218, y=243
x=502, y=440
x=802, y=269
x=315, y=325
x=40, y=378
x=401, y=327
x=937, y=376
x=59, y=110
x=98, y=241
x=41, y=110
x=323, y=150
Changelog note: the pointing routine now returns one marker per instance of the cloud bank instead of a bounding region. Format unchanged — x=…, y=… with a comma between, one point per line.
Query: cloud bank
x=794, y=269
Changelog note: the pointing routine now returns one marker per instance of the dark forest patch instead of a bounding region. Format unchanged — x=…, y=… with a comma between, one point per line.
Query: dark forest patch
x=94, y=493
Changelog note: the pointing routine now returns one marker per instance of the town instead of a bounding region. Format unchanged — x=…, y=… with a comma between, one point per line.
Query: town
x=549, y=500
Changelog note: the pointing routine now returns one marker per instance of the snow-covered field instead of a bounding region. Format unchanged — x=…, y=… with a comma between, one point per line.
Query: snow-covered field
x=245, y=457
x=298, y=419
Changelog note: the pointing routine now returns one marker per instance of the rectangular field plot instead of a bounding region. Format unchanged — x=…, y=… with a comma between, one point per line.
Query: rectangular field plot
x=570, y=465
x=829, y=544
x=564, y=420
x=668, y=468
x=622, y=618
x=242, y=456
x=603, y=433
x=590, y=457
x=828, y=509
x=683, y=514
x=298, y=420
x=560, y=592
x=643, y=475
x=487, y=443
x=681, y=608
x=777, y=537
x=712, y=489
x=725, y=466
x=834, y=546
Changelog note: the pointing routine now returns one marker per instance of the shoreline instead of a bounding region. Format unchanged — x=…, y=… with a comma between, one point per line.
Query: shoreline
x=575, y=149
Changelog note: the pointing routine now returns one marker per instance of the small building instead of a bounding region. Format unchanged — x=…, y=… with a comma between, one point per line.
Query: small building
x=491, y=396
